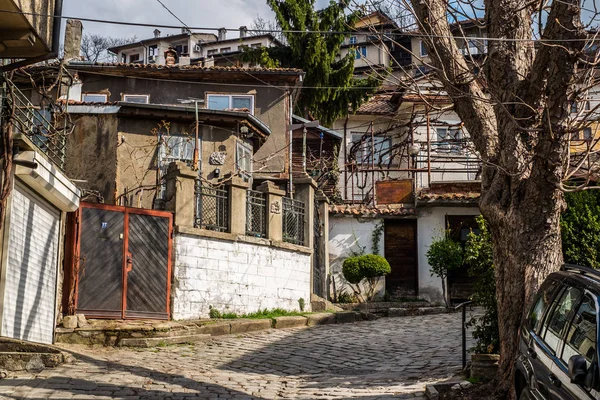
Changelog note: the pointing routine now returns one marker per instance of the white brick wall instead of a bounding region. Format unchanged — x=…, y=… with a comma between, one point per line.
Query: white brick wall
x=236, y=277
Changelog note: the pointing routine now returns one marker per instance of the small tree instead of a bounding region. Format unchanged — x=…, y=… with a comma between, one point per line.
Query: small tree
x=580, y=228
x=369, y=267
x=479, y=258
x=443, y=255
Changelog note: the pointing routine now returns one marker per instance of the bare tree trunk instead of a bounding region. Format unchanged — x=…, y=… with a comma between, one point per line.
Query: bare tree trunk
x=518, y=123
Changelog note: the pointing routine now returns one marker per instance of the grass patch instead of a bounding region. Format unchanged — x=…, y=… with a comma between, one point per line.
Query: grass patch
x=261, y=314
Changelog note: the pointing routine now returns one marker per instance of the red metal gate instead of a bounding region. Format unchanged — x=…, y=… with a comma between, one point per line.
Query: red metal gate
x=122, y=262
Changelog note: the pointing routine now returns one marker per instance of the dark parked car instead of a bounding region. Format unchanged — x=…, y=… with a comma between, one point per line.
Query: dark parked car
x=558, y=352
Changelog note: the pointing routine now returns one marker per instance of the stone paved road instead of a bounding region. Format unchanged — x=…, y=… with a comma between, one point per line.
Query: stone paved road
x=386, y=358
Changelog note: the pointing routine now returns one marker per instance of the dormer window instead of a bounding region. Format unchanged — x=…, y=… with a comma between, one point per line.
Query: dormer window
x=136, y=98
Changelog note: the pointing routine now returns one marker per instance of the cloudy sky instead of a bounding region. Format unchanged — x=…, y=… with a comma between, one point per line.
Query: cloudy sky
x=209, y=13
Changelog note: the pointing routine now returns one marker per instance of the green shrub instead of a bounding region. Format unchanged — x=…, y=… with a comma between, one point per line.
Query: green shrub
x=214, y=313
x=479, y=258
x=443, y=255
x=374, y=266
x=351, y=270
x=345, y=298
x=580, y=228
x=370, y=267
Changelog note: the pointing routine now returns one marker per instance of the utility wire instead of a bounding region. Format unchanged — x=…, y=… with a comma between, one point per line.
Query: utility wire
x=355, y=32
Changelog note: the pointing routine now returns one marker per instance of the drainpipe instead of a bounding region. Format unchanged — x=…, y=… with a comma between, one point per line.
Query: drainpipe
x=345, y=158
x=290, y=149
x=56, y=25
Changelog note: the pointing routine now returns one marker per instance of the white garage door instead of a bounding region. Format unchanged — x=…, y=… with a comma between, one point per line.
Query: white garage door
x=30, y=294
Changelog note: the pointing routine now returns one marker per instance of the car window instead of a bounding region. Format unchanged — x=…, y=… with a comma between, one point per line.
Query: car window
x=581, y=336
x=545, y=296
x=568, y=300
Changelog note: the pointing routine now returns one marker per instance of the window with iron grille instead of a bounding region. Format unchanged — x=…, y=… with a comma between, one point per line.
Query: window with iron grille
x=256, y=214
x=293, y=221
x=212, y=208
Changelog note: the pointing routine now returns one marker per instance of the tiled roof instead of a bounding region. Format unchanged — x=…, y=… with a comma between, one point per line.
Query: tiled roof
x=362, y=210
x=378, y=104
x=185, y=67
x=460, y=197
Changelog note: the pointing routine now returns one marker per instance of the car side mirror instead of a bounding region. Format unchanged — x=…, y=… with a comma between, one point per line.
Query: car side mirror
x=577, y=369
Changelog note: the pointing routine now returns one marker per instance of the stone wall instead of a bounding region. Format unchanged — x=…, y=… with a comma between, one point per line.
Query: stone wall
x=236, y=276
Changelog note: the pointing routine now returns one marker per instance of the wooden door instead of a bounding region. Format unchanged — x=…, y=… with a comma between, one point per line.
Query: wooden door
x=401, y=252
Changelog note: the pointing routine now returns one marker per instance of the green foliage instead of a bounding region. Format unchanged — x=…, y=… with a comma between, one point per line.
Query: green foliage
x=370, y=267
x=374, y=266
x=443, y=255
x=333, y=86
x=345, y=298
x=580, y=228
x=376, y=237
x=301, y=303
x=351, y=270
x=479, y=258
x=214, y=313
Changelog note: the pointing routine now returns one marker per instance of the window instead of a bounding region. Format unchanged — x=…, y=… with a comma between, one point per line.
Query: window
x=226, y=50
x=212, y=52
x=559, y=317
x=449, y=138
x=95, y=98
x=581, y=336
x=134, y=58
x=136, y=98
x=152, y=51
x=381, y=148
x=256, y=45
x=588, y=106
x=587, y=134
x=574, y=107
x=352, y=39
x=536, y=314
x=173, y=148
x=227, y=101
x=243, y=160
x=181, y=49
x=123, y=57
x=423, y=48
x=360, y=52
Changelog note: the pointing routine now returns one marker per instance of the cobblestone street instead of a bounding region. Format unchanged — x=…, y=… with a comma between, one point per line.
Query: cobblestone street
x=386, y=358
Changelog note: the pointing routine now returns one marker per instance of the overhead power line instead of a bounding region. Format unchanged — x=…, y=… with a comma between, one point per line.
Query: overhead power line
x=354, y=32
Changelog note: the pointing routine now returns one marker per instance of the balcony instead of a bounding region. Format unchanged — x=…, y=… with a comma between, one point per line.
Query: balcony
x=35, y=123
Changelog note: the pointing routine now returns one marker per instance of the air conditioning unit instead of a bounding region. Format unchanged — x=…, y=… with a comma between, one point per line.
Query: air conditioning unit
x=197, y=48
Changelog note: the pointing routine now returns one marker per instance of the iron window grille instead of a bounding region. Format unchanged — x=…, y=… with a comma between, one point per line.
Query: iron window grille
x=256, y=214
x=35, y=123
x=293, y=221
x=212, y=208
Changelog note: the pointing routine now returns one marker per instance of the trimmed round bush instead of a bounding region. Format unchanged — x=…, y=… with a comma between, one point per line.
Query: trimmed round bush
x=373, y=266
x=351, y=270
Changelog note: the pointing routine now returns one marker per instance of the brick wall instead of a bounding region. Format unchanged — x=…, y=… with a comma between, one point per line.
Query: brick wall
x=236, y=277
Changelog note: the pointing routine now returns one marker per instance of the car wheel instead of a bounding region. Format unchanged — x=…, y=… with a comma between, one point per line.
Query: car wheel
x=525, y=394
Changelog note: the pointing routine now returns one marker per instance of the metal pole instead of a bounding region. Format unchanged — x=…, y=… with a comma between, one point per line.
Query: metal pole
x=304, y=149
x=195, y=161
x=428, y=151
x=464, y=336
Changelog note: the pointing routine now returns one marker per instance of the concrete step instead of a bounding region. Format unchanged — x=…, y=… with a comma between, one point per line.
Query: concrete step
x=162, y=341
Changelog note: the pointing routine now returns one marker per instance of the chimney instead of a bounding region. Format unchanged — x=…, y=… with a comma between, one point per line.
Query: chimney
x=73, y=34
x=243, y=31
x=185, y=30
x=156, y=33
x=222, y=34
